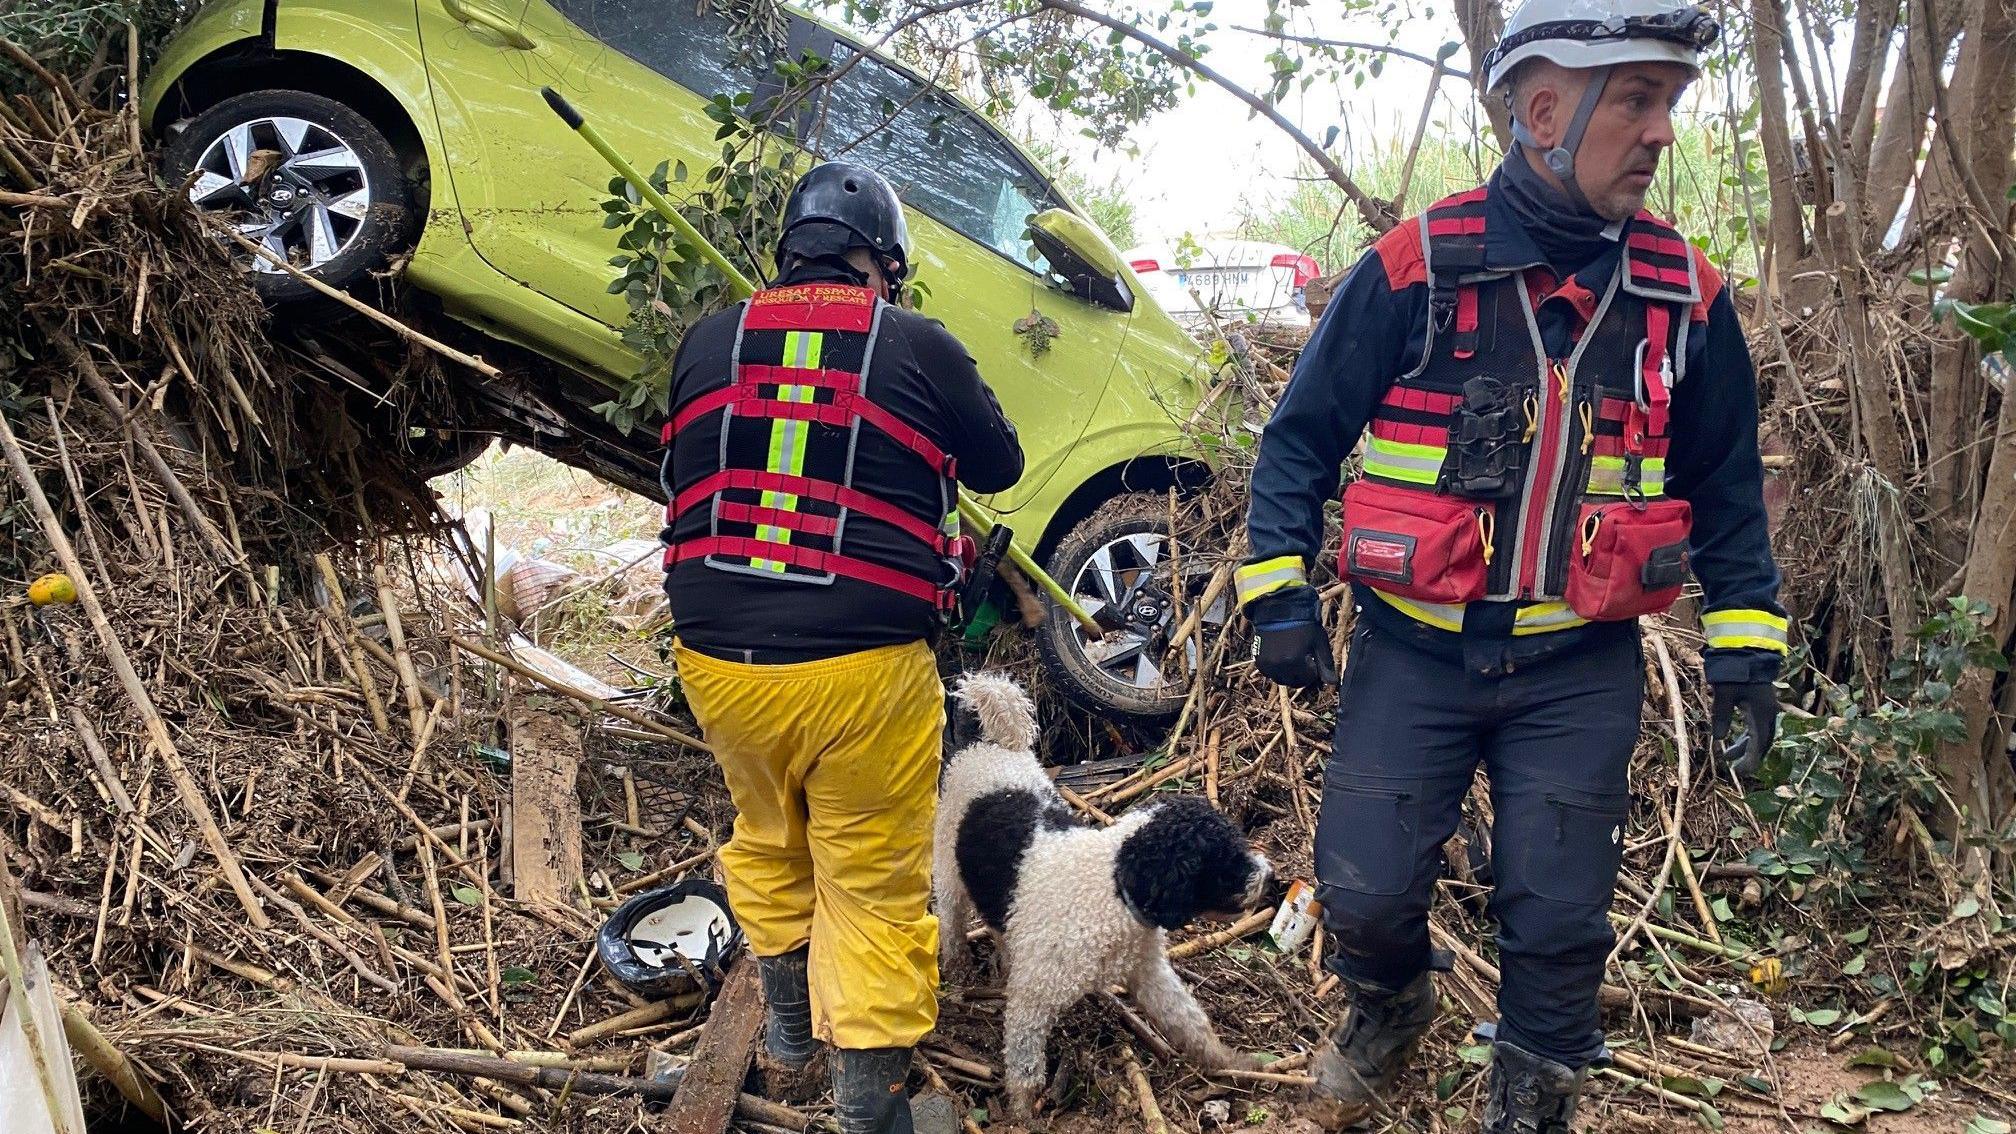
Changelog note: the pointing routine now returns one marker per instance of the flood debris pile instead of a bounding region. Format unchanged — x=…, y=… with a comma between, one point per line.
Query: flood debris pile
x=315, y=841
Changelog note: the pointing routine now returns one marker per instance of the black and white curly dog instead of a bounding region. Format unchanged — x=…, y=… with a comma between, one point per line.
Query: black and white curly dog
x=1075, y=907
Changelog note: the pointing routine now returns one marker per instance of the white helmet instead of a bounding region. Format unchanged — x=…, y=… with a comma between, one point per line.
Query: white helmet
x=1581, y=34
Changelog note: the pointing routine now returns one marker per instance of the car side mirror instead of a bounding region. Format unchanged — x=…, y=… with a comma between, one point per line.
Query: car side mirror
x=1079, y=255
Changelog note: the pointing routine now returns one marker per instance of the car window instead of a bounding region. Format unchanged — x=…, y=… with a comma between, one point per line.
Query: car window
x=942, y=157
x=690, y=44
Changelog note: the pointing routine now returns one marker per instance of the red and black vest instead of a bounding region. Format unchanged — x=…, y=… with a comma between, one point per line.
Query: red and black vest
x=787, y=428
x=1494, y=471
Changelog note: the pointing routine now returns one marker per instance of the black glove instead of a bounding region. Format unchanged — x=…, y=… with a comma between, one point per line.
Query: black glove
x=1759, y=702
x=1289, y=644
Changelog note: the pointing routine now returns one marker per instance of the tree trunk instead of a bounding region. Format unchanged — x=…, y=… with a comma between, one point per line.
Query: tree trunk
x=1855, y=119
x=1787, y=226
x=1482, y=22
x=1984, y=138
x=1893, y=158
x=1976, y=770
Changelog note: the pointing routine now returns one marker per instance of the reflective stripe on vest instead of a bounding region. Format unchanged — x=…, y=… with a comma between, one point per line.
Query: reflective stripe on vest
x=789, y=515
x=1595, y=422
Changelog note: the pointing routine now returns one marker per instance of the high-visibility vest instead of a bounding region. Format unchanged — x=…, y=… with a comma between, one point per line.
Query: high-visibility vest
x=782, y=495
x=1580, y=525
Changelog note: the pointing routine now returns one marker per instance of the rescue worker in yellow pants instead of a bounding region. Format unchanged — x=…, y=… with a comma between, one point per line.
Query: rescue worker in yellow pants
x=817, y=437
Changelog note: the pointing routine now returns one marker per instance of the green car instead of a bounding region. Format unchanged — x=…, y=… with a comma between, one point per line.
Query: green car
x=349, y=136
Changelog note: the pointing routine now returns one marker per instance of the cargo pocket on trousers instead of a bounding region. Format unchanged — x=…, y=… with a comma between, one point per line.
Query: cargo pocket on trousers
x=1573, y=856
x=1367, y=837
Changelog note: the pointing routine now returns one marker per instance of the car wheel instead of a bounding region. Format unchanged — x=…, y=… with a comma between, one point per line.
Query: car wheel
x=1118, y=561
x=303, y=175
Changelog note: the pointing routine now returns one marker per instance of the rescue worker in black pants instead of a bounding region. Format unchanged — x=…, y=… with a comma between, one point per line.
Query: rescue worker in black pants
x=1562, y=420
x=817, y=440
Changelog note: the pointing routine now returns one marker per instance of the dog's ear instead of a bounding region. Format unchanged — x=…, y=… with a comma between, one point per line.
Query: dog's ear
x=1188, y=859
x=1153, y=871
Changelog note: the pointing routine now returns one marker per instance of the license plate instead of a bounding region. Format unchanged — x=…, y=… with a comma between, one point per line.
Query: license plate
x=1214, y=278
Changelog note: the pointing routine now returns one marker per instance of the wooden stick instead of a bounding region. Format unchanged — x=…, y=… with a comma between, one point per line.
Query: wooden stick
x=937, y=1081
x=1211, y=766
x=1139, y=1027
x=1151, y=1111
x=333, y=607
x=1085, y=805
x=365, y=309
x=1238, y=929
x=652, y=1013
x=450, y=1062
x=596, y=703
x=122, y=665
x=409, y=679
x=105, y=1058
x=101, y=760
x=1241, y=1075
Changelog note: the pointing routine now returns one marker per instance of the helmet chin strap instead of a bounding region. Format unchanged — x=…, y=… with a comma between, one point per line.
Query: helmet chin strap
x=1561, y=158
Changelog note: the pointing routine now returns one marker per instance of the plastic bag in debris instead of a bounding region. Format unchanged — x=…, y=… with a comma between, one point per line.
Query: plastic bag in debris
x=1742, y=1026
x=23, y=1106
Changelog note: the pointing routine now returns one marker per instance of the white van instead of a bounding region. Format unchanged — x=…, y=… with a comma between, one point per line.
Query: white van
x=1247, y=281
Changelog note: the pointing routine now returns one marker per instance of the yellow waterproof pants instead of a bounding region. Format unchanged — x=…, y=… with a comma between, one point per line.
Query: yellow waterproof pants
x=833, y=766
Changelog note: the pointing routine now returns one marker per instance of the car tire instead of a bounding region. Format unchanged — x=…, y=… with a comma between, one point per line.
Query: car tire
x=1120, y=551
x=337, y=217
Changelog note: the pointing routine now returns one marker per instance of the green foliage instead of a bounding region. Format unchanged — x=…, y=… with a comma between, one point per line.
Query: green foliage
x=736, y=205
x=64, y=35
x=1833, y=784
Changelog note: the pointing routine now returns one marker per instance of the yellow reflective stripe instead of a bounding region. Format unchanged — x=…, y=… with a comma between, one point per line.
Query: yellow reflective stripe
x=1753, y=629
x=1267, y=576
x=1542, y=617
x=787, y=451
x=1442, y=616
x=1399, y=460
x=802, y=348
x=1606, y=476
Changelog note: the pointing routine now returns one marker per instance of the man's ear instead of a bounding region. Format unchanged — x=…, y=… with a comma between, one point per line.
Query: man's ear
x=1542, y=113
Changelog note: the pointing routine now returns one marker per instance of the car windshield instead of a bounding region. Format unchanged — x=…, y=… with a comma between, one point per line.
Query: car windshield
x=942, y=158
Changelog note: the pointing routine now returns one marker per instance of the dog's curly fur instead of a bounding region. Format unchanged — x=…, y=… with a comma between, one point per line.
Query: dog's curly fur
x=1075, y=907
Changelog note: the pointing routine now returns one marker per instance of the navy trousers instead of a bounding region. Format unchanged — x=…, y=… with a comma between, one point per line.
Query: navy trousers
x=1555, y=737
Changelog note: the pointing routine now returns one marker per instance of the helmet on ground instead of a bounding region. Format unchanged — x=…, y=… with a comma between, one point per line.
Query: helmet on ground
x=838, y=205
x=1583, y=34
x=673, y=939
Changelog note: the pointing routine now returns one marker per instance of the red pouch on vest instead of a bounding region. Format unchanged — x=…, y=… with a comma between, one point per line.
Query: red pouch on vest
x=1415, y=543
x=1628, y=561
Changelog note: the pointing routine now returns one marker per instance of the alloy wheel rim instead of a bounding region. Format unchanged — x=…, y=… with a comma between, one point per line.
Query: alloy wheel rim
x=290, y=185
x=1134, y=574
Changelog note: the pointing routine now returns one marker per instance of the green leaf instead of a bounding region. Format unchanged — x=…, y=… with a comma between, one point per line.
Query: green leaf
x=1855, y=965
x=1981, y=1123
x=1922, y=277
x=1884, y=1095
x=1966, y=908
x=467, y=895
x=1839, y=1110
x=517, y=975
x=1872, y=1057
x=1479, y=1054
x=631, y=860
x=1823, y=1017
x=1856, y=937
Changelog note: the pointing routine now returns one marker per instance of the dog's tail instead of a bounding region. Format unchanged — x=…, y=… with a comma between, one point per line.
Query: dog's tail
x=1007, y=716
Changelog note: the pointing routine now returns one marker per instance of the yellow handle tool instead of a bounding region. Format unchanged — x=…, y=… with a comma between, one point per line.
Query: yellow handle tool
x=970, y=509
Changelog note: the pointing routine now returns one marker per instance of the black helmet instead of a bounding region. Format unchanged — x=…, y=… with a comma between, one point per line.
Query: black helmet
x=842, y=195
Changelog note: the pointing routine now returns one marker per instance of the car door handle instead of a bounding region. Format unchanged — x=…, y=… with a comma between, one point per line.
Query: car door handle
x=499, y=26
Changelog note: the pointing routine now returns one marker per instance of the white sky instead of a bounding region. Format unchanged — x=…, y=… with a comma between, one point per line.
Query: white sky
x=1201, y=161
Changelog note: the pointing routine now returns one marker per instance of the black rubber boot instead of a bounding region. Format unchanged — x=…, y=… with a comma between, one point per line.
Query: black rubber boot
x=868, y=1094
x=1370, y=1048
x=787, y=1012
x=1528, y=1094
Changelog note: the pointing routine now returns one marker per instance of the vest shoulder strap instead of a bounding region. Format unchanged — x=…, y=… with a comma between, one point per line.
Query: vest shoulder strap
x=1658, y=262
x=1452, y=237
